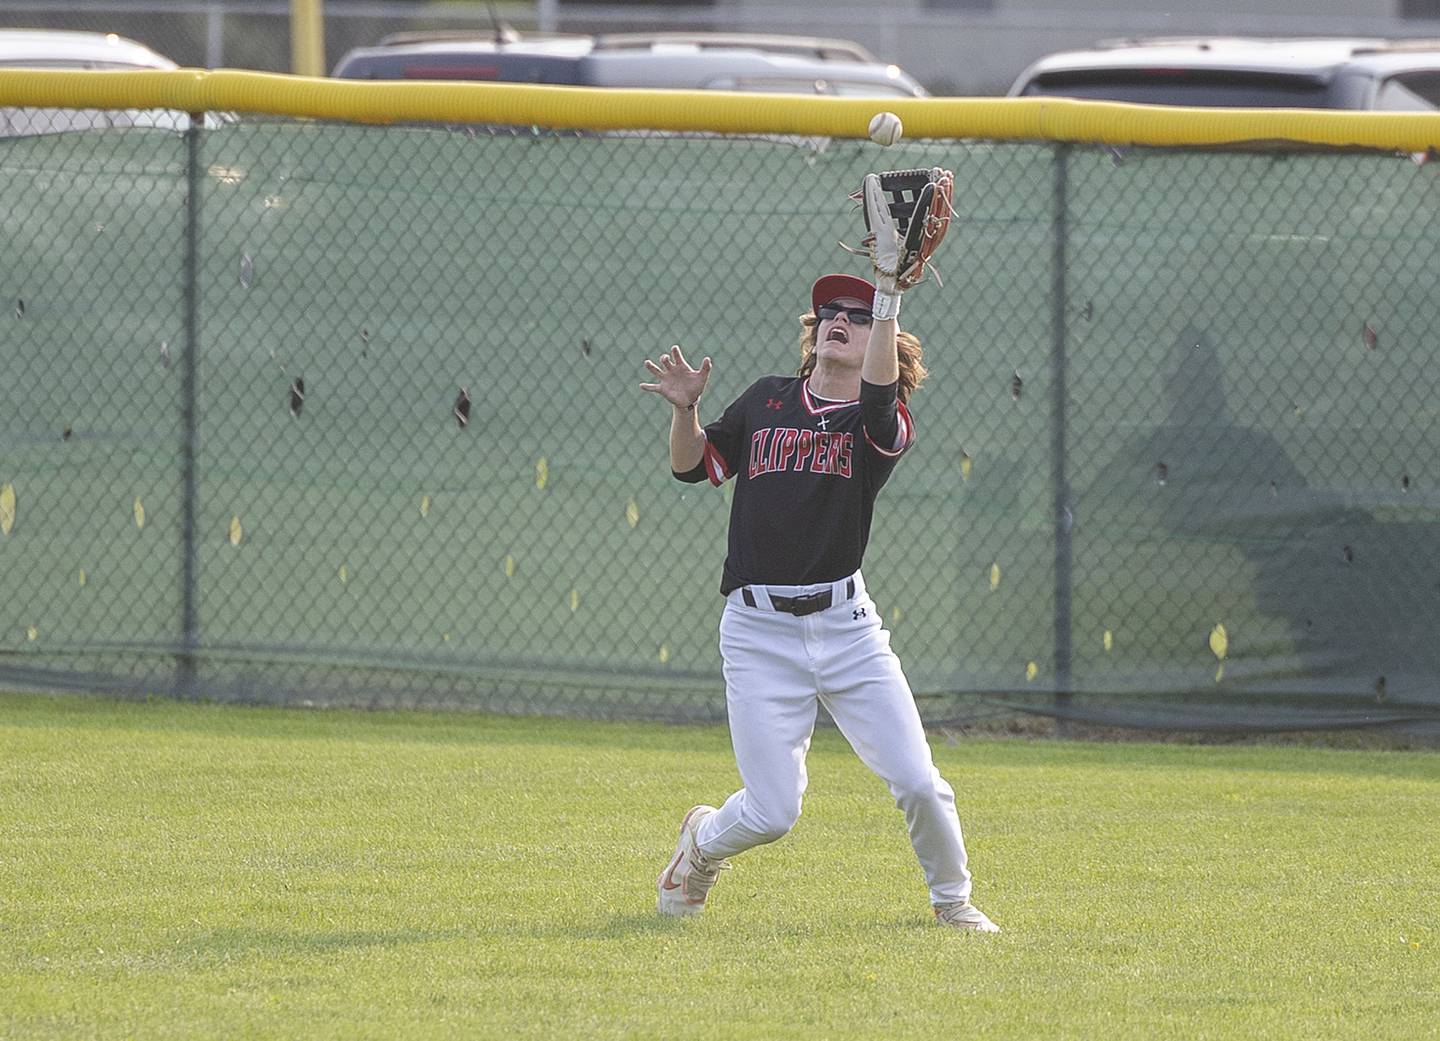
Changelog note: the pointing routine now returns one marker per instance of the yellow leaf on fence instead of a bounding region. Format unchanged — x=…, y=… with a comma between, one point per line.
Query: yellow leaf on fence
x=82, y=578
x=139, y=510
x=1108, y=640
x=994, y=577
x=236, y=532
x=1031, y=671
x=344, y=574
x=632, y=513
x=542, y=473
x=664, y=654
x=424, y=505
x=509, y=566
x=574, y=600
x=7, y=509
x=1219, y=642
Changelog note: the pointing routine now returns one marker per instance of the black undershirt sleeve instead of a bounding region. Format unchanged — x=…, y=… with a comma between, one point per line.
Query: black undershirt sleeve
x=694, y=476
x=879, y=411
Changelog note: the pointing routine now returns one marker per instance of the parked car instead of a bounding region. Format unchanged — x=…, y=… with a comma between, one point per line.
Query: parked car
x=62, y=49
x=818, y=47
x=655, y=61
x=1226, y=72
x=56, y=49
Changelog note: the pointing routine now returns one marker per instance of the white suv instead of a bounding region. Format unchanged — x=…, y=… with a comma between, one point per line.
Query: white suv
x=51, y=49
x=1229, y=72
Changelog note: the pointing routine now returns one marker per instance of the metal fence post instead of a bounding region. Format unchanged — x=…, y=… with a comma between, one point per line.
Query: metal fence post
x=185, y=664
x=1064, y=517
x=215, y=36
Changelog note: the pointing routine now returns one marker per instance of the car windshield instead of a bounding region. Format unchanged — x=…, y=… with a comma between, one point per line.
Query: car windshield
x=1414, y=92
x=1207, y=88
x=514, y=68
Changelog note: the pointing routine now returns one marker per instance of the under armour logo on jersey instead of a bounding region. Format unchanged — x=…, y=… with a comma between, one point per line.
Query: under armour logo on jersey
x=775, y=403
x=859, y=613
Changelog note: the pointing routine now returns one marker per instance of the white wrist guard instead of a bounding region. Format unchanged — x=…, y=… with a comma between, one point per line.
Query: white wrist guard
x=886, y=305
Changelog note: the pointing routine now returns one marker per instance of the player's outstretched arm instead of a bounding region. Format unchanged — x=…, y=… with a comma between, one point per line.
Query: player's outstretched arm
x=679, y=384
x=882, y=357
x=882, y=360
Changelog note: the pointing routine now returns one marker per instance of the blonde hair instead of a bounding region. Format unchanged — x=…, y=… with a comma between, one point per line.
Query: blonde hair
x=912, y=365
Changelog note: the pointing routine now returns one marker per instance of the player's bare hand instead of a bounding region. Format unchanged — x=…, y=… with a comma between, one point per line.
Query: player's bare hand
x=675, y=380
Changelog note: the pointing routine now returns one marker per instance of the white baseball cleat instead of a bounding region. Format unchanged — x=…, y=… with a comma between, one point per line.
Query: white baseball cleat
x=964, y=915
x=687, y=881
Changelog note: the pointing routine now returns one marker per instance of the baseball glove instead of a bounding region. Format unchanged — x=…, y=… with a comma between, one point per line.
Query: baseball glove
x=907, y=213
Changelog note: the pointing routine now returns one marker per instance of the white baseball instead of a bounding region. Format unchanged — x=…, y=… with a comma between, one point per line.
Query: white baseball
x=886, y=128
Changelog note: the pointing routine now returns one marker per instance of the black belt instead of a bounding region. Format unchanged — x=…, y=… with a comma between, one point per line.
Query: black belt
x=799, y=606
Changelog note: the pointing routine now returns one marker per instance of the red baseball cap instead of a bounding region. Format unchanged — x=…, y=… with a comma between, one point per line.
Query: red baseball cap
x=833, y=287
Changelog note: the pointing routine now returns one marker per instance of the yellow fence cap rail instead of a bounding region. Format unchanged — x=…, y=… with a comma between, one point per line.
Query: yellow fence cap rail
x=1004, y=119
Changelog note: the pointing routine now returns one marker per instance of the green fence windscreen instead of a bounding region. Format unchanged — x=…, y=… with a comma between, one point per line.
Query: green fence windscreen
x=1176, y=461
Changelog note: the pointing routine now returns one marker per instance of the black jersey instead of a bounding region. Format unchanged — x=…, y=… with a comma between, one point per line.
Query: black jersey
x=806, y=471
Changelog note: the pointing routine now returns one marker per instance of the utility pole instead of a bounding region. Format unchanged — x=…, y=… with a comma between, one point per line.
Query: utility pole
x=307, y=37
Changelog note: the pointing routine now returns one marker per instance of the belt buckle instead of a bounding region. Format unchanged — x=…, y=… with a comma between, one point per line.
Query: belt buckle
x=800, y=606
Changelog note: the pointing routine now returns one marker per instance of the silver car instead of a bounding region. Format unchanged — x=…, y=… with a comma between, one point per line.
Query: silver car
x=1229, y=72
x=663, y=61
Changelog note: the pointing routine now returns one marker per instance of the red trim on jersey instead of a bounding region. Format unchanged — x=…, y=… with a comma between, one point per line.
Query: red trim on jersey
x=907, y=432
x=812, y=403
x=715, y=467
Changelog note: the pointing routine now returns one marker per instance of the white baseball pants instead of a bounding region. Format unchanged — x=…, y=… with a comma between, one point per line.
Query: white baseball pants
x=778, y=669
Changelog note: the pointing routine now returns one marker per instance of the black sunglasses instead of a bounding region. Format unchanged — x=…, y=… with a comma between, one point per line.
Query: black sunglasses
x=857, y=315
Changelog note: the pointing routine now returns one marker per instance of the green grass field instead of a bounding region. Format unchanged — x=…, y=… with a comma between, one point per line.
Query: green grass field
x=184, y=871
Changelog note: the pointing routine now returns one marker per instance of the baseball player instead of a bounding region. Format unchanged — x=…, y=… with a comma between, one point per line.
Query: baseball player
x=809, y=453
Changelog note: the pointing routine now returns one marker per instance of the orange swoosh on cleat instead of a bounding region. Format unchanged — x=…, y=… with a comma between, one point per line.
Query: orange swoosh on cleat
x=668, y=882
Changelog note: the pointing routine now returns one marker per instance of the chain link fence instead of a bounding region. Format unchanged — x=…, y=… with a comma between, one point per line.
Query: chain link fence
x=327, y=414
